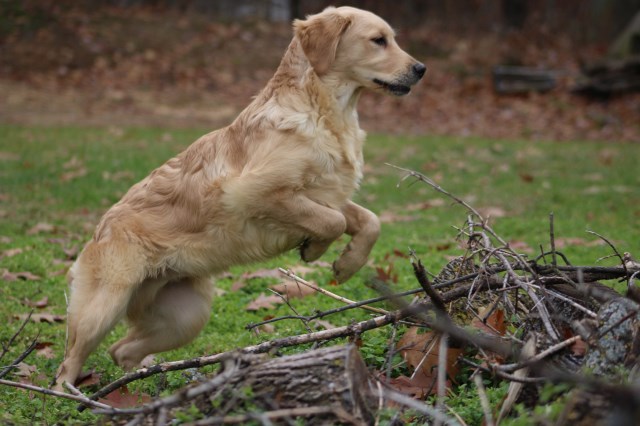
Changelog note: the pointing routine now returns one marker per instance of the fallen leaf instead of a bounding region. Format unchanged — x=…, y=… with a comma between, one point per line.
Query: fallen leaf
x=262, y=273
x=8, y=156
x=237, y=285
x=11, y=252
x=73, y=174
x=42, y=303
x=386, y=274
x=293, y=289
x=420, y=351
x=44, y=349
x=88, y=378
x=266, y=302
x=123, y=398
x=72, y=252
x=576, y=242
x=526, y=177
x=492, y=212
x=322, y=324
x=24, y=370
x=579, y=348
x=494, y=324
x=419, y=386
x=5, y=240
x=392, y=217
x=266, y=328
x=5, y=275
x=41, y=227
x=44, y=317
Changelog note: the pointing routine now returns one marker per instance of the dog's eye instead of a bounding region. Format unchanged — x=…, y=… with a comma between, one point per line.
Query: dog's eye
x=380, y=41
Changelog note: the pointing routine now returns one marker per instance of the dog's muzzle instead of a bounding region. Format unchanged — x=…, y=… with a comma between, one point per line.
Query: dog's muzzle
x=402, y=86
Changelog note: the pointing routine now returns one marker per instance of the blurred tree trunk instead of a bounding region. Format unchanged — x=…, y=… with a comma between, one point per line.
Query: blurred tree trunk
x=515, y=13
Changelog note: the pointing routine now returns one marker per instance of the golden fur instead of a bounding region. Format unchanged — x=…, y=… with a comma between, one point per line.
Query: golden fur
x=280, y=176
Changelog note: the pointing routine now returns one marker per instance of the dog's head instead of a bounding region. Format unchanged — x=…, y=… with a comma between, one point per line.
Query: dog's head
x=357, y=46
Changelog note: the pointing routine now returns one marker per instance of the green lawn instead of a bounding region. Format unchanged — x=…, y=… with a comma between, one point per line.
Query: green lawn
x=67, y=177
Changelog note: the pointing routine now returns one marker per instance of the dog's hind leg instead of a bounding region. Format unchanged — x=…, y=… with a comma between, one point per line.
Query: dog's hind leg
x=172, y=319
x=99, y=297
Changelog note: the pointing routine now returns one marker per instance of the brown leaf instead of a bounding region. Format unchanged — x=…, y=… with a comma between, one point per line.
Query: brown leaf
x=388, y=216
x=237, y=285
x=11, y=252
x=122, y=398
x=420, y=351
x=579, y=348
x=5, y=275
x=492, y=212
x=262, y=273
x=25, y=370
x=73, y=174
x=44, y=317
x=266, y=302
x=88, y=378
x=41, y=227
x=386, y=274
x=42, y=303
x=322, y=324
x=44, y=349
x=293, y=289
x=419, y=386
x=494, y=324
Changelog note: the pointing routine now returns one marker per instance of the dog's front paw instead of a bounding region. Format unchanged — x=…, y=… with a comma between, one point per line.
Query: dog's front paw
x=311, y=250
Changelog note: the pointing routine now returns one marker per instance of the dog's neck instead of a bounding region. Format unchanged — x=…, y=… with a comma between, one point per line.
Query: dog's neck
x=295, y=70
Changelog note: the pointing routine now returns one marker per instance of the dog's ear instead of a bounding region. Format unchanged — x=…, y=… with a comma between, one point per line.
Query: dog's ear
x=319, y=36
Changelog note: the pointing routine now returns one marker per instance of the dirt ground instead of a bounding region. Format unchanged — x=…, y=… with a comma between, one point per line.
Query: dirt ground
x=148, y=68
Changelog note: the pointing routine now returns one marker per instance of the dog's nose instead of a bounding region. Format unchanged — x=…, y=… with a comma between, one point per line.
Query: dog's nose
x=419, y=68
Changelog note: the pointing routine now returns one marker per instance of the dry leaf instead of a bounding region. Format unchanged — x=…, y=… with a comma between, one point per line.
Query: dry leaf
x=322, y=324
x=73, y=174
x=266, y=302
x=237, y=285
x=494, y=324
x=24, y=370
x=44, y=349
x=122, y=398
x=262, y=273
x=88, y=378
x=11, y=252
x=5, y=275
x=392, y=217
x=41, y=227
x=293, y=289
x=420, y=351
x=42, y=303
x=44, y=317
x=419, y=386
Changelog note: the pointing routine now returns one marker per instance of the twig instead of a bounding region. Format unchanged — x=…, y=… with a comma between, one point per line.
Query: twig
x=231, y=368
x=5, y=370
x=443, y=350
x=5, y=348
x=328, y=293
x=615, y=250
x=334, y=333
x=484, y=401
x=269, y=415
x=538, y=357
x=286, y=301
x=82, y=399
x=552, y=239
x=423, y=280
x=416, y=405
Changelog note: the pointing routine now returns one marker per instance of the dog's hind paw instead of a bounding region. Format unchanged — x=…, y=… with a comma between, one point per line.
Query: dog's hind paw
x=311, y=250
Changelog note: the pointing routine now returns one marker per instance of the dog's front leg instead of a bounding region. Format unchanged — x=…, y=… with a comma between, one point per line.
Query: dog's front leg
x=364, y=228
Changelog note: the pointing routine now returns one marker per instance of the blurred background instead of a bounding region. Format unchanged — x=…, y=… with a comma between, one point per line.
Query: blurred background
x=518, y=69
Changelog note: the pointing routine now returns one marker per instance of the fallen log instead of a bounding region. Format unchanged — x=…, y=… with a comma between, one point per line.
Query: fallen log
x=321, y=386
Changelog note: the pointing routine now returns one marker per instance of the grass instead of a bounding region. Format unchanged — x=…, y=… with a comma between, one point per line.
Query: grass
x=588, y=186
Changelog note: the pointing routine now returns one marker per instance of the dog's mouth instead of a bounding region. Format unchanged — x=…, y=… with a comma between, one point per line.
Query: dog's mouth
x=394, y=88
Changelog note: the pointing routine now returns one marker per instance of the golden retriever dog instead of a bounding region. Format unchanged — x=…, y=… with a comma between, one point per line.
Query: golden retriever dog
x=280, y=176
